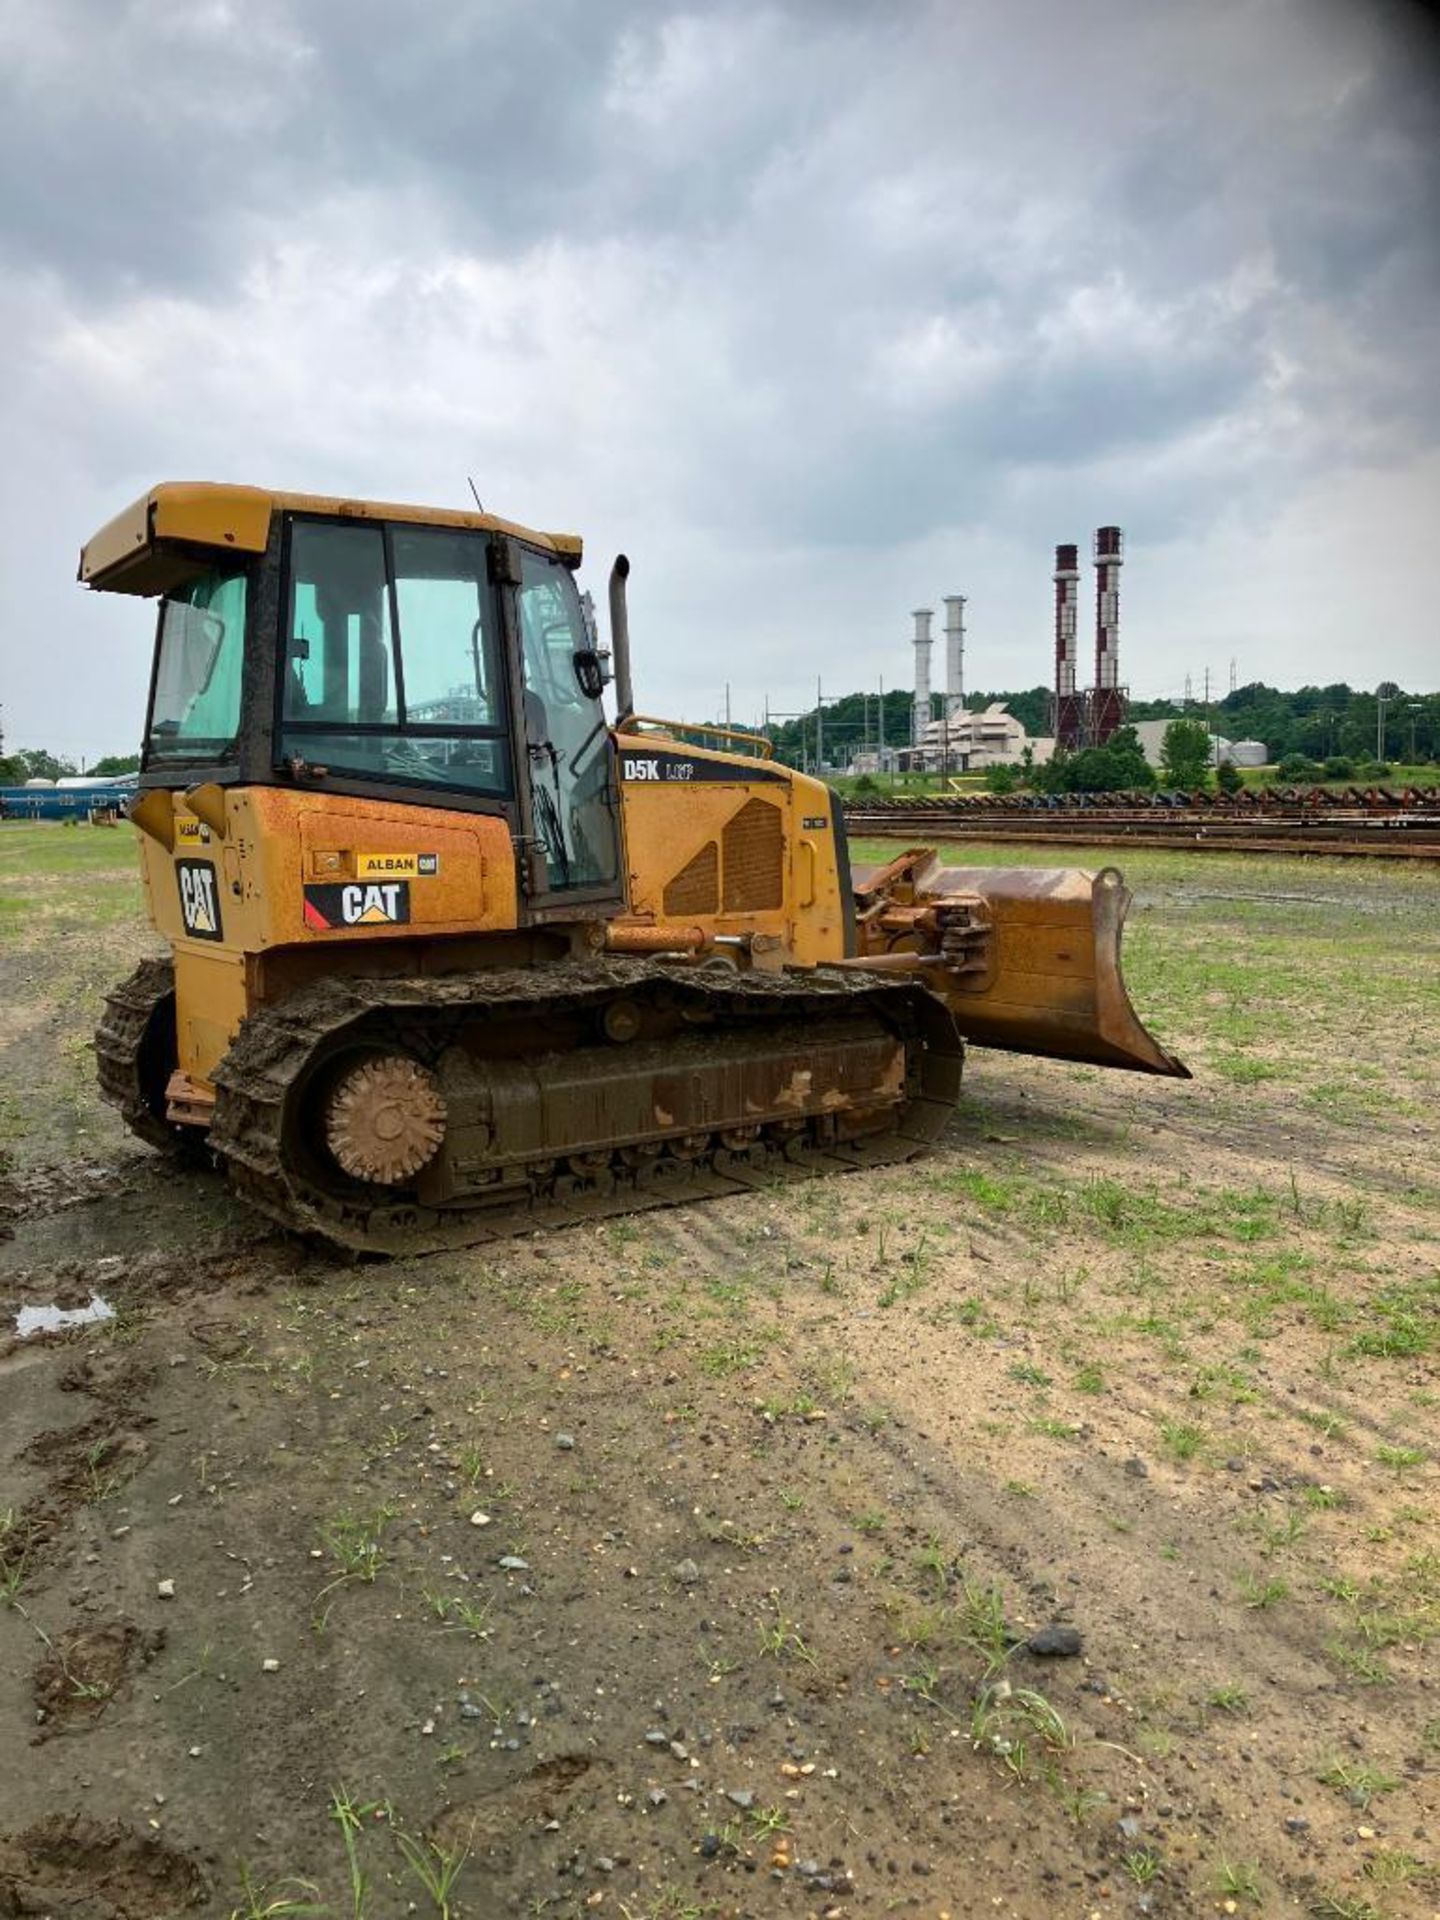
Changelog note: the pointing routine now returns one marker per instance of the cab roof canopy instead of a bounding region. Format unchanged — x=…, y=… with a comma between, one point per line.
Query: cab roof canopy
x=183, y=527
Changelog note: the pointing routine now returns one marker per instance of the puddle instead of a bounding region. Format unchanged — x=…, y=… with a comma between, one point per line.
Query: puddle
x=56, y=1319
x=160, y=1211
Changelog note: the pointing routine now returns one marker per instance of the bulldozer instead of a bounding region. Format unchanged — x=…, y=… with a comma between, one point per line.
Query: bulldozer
x=454, y=955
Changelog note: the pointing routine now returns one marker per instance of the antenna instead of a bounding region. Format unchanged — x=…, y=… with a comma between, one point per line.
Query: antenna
x=471, y=484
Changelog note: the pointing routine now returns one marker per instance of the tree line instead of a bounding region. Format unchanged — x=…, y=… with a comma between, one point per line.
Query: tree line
x=1316, y=724
x=38, y=763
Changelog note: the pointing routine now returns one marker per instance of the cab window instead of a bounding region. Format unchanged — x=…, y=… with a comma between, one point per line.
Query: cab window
x=195, y=711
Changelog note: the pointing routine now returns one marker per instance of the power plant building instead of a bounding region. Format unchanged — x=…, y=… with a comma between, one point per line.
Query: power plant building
x=992, y=737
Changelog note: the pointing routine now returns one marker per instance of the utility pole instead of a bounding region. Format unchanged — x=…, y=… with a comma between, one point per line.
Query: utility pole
x=727, y=703
x=1381, y=702
x=819, y=727
x=1208, y=732
x=881, y=718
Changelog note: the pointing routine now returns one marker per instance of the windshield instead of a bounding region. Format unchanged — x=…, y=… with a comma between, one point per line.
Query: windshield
x=195, y=712
x=392, y=668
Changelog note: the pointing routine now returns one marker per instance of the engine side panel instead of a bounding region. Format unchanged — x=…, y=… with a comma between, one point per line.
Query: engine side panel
x=733, y=845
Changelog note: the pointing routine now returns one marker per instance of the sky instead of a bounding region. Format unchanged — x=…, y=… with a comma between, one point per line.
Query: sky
x=819, y=310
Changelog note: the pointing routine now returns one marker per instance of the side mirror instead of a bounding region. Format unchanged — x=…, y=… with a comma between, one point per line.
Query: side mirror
x=589, y=673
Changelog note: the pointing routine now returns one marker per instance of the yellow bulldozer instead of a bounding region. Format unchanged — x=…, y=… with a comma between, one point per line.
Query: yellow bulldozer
x=452, y=955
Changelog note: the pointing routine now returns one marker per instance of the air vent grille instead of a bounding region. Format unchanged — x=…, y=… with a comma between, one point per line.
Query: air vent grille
x=753, y=850
x=696, y=887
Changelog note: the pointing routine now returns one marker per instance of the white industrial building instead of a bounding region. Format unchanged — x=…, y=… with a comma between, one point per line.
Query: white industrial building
x=1223, y=752
x=967, y=742
x=974, y=741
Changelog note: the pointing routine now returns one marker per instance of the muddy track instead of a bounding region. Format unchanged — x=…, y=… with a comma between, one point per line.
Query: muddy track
x=94, y=1870
x=260, y=1127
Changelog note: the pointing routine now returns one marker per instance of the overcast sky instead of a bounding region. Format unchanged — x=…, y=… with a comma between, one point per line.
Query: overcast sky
x=819, y=309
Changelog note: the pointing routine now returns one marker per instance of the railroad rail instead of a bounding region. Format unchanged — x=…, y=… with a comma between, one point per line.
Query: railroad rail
x=1361, y=823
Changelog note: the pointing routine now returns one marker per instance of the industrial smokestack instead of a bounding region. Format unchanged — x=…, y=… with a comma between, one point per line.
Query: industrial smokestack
x=954, y=655
x=920, y=716
x=1107, y=703
x=1068, y=716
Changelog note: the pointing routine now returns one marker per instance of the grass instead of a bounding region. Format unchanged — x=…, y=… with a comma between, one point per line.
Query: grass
x=356, y=1543
x=1239, y=1881
x=433, y=1868
x=14, y=1555
x=1182, y=1439
x=1356, y=1780
x=737, y=1355
x=982, y=1624
x=1359, y=1663
x=287, y=1899
x=1258, y=1594
x=1229, y=1698
x=1399, y=1458
x=1143, y=1865
x=782, y=1639
x=1053, y=1428
x=1019, y=1727
x=351, y=1817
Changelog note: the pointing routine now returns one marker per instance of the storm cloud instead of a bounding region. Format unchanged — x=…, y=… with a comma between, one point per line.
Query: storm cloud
x=819, y=309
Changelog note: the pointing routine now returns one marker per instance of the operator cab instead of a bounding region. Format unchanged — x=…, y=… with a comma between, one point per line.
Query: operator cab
x=437, y=659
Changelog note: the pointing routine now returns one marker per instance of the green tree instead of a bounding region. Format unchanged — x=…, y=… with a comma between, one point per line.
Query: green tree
x=1119, y=766
x=40, y=764
x=1185, y=753
x=1001, y=779
x=115, y=763
x=1295, y=766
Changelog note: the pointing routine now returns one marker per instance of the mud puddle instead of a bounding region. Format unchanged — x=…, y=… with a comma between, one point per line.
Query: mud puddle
x=161, y=1209
x=56, y=1319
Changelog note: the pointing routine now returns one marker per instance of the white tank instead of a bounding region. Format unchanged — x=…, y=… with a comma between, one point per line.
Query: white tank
x=1249, y=753
x=39, y=783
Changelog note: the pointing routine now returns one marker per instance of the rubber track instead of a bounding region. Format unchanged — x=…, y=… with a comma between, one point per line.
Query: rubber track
x=277, y=1046
x=119, y=1045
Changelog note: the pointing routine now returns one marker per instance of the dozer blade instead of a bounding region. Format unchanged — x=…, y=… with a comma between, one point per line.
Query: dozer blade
x=1040, y=968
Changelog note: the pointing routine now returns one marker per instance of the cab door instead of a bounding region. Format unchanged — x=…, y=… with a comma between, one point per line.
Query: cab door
x=568, y=758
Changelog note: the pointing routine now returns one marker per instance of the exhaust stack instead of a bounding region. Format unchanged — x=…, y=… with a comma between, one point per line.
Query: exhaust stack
x=954, y=656
x=920, y=714
x=620, y=640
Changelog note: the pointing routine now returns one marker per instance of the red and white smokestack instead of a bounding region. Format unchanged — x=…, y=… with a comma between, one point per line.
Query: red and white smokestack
x=1068, y=717
x=920, y=713
x=1109, y=558
x=1107, y=702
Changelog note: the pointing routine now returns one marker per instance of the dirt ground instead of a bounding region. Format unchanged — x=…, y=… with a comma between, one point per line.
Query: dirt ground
x=1048, y=1528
